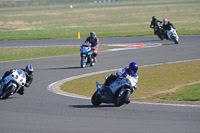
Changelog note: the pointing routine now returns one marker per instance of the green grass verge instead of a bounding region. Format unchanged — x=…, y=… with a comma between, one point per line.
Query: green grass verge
x=152, y=80
x=130, y=18
x=187, y=93
x=8, y=54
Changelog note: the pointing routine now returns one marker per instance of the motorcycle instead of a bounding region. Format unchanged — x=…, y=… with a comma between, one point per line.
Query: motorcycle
x=118, y=92
x=86, y=55
x=12, y=83
x=159, y=32
x=173, y=36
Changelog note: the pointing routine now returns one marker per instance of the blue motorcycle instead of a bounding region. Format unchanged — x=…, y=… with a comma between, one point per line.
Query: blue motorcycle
x=86, y=55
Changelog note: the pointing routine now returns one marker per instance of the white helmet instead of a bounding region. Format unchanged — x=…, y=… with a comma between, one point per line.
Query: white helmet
x=165, y=21
x=92, y=34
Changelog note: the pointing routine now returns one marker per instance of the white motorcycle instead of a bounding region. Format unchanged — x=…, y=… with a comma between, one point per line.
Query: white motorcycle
x=118, y=91
x=173, y=36
x=12, y=83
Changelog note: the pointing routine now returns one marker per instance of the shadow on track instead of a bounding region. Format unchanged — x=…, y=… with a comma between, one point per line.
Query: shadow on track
x=63, y=68
x=90, y=106
x=150, y=40
x=9, y=98
x=170, y=43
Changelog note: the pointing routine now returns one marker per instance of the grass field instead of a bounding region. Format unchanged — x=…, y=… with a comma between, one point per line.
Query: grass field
x=125, y=18
x=8, y=54
x=186, y=93
x=152, y=81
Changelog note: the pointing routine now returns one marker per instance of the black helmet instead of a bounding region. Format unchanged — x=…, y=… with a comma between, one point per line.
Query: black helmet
x=153, y=17
x=29, y=70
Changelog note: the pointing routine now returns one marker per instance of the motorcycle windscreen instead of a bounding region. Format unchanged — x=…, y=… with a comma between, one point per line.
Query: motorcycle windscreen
x=21, y=73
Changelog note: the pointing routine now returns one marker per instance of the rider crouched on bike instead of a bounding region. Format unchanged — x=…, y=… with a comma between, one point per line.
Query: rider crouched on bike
x=131, y=71
x=94, y=44
x=167, y=27
x=154, y=24
x=29, y=77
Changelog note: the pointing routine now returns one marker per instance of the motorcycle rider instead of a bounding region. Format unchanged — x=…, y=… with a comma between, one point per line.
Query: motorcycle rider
x=154, y=24
x=131, y=71
x=94, y=44
x=29, y=77
x=167, y=27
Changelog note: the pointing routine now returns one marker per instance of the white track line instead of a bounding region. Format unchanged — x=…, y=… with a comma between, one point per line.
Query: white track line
x=127, y=48
x=53, y=87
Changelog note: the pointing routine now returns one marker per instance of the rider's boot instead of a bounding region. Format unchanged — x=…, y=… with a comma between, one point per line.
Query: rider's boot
x=95, y=59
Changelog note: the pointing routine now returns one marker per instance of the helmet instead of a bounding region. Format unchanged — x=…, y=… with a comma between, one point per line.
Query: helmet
x=165, y=21
x=153, y=17
x=133, y=67
x=29, y=69
x=92, y=34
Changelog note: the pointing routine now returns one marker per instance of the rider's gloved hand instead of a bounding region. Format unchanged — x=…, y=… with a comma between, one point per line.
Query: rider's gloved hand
x=118, y=74
x=12, y=70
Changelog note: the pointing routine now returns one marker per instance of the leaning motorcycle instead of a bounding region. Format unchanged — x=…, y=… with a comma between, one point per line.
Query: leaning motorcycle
x=12, y=83
x=159, y=32
x=86, y=55
x=118, y=92
x=173, y=36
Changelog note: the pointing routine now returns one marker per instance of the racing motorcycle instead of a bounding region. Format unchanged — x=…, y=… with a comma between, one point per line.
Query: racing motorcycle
x=86, y=55
x=159, y=32
x=118, y=92
x=12, y=83
x=173, y=36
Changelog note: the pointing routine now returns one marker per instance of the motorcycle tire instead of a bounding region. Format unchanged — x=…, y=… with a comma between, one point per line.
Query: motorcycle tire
x=96, y=99
x=161, y=38
x=7, y=93
x=122, y=99
x=83, y=63
x=176, y=42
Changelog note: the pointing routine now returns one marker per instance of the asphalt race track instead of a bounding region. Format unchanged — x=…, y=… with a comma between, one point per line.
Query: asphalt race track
x=40, y=111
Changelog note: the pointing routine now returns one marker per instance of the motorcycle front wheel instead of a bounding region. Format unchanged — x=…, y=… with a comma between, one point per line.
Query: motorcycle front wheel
x=83, y=61
x=176, y=42
x=161, y=37
x=6, y=93
x=96, y=99
x=121, y=99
